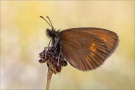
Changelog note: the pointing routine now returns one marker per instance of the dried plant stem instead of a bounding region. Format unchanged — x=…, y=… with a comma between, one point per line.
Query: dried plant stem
x=49, y=75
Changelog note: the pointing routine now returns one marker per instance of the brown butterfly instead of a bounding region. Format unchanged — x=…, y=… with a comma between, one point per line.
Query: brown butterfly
x=84, y=48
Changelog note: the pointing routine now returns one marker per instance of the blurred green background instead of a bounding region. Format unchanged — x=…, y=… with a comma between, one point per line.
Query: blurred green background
x=23, y=38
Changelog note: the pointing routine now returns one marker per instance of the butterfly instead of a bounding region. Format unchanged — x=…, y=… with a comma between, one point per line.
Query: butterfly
x=85, y=48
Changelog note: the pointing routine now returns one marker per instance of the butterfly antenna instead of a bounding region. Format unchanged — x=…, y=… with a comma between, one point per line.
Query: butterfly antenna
x=50, y=24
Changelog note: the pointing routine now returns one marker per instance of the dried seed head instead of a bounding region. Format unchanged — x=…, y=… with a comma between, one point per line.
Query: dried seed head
x=52, y=60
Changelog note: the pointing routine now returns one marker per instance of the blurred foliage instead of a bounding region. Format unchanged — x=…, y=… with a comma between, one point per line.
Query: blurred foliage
x=23, y=38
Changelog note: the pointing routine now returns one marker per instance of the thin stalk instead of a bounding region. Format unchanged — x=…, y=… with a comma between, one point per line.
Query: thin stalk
x=49, y=75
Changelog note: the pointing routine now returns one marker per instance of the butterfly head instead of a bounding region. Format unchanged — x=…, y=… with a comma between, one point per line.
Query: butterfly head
x=52, y=33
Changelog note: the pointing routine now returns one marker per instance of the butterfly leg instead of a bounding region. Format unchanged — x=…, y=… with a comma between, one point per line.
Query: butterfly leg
x=59, y=57
x=58, y=60
x=47, y=48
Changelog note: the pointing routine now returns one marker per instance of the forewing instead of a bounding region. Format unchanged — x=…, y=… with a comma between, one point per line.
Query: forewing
x=110, y=38
x=83, y=50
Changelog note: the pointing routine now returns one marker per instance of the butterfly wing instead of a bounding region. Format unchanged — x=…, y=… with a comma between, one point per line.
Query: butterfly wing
x=84, y=49
x=110, y=38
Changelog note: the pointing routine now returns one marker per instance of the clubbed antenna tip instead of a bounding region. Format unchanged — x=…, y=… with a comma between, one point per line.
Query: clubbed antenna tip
x=47, y=21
